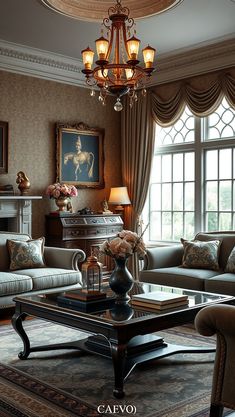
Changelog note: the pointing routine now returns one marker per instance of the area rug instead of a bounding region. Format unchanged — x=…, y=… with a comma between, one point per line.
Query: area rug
x=69, y=383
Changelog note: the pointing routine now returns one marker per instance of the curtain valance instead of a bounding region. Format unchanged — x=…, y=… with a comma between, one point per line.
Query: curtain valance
x=201, y=94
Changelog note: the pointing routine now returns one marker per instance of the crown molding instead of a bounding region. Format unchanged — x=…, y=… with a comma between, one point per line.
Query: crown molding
x=203, y=58
x=42, y=64
x=185, y=63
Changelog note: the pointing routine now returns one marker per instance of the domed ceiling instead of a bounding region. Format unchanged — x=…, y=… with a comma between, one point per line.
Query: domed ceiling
x=96, y=10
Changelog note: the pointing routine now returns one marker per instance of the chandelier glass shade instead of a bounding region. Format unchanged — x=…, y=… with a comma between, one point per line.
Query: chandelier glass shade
x=117, y=69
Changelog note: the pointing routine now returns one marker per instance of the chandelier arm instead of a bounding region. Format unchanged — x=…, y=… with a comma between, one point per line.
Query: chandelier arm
x=138, y=74
x=125, y=40
x=110, y=42
x=106, y=23
x=131, y=23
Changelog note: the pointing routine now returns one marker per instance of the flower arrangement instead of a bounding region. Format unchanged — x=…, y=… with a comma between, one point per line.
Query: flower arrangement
x=58, y=190
x=124, y=245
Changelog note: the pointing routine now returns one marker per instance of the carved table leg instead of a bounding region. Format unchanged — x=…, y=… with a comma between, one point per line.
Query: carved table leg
x=118, y=357
x=17, y=324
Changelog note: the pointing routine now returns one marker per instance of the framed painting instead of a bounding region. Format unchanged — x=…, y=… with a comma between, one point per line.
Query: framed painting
x=3, y=147
x=80, y=155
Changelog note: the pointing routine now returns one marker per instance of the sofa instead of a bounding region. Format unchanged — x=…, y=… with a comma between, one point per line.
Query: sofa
x=163, y=266
x=58, y=270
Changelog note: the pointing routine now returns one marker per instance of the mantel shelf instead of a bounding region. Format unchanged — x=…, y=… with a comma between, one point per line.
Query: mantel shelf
x=20, y=197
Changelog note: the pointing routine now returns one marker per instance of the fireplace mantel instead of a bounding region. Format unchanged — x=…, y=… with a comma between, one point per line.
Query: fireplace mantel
x=18, y=211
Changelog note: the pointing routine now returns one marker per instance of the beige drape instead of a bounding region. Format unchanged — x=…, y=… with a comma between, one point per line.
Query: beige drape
x=201, y=94
x=137, y=152
x=164, y=104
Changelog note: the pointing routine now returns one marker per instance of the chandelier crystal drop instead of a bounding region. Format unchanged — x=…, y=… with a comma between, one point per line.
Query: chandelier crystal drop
x=117, y=69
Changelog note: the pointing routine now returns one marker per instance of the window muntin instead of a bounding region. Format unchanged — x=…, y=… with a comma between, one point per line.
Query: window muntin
x=181, y=132
x=200, y=170
x=219, y=188
x=171, y=201
x=221, y=124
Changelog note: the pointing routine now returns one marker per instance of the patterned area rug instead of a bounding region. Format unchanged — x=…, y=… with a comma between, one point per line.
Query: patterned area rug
x=69, y=383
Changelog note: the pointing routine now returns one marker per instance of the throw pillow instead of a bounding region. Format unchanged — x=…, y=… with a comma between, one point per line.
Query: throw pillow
x=198, y=254
x=230, y=266
x=26, y=254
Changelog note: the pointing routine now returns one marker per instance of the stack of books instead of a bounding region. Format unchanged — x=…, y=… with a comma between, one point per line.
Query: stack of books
x=85, y=301
x=159, y=300
x=6, y=190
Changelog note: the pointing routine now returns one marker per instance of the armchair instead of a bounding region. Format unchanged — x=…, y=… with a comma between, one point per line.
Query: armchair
x=220, y=320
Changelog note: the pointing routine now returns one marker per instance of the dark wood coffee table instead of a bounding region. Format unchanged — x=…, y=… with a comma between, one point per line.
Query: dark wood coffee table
x=123, y=333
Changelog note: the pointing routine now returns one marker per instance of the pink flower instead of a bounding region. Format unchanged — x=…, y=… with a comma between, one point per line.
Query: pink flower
x=61, y=190
x=124, y=245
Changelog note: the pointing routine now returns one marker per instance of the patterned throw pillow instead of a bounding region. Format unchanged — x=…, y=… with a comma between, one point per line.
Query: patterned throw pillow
x=26, y=254
x=230, y=266
x=198, y=254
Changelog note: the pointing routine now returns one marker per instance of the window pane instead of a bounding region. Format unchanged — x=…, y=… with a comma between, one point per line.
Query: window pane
x=189, y=166
x=166, y=196
x=221, y=124
x=225, y=164
x=189, y=196
x=212, y=195
x=166, y=226
x=177, y=226
x=156, y=169
x=155, y=197
x=182, y=131
x=189, y=225
x=212, y=221
x=155, y=229
x=225, y=195
x=178, y=196
x=166, y=168
x=211, y=165
x=178, y=167
x=225, y=221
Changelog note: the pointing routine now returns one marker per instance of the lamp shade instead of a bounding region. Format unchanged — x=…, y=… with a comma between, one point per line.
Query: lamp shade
x=119, y=196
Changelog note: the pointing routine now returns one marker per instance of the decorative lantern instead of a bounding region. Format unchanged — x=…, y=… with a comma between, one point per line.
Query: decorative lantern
x=92, y=276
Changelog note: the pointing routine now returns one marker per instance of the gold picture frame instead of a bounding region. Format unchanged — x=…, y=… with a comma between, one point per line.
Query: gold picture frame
x=3, y=147
x=80, y=155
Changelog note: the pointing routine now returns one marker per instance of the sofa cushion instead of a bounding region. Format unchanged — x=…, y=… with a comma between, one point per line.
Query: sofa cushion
x=4, y=254
x=43, y=278
x=11, y=283
x=24, y=255
x=198, y=254
x=175, y=276
x=227, y=244
x=221, y=284
x=230, y=266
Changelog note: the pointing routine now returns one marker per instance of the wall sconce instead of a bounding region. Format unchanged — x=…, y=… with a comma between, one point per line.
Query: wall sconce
x=119, y=197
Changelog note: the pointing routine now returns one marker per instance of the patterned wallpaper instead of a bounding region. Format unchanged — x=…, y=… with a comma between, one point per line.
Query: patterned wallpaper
x=32, y=107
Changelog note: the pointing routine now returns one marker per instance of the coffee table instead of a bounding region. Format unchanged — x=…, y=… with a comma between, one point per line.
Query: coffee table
x=123, y=333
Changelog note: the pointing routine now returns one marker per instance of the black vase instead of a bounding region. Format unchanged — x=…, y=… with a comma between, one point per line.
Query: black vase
x=121, y=280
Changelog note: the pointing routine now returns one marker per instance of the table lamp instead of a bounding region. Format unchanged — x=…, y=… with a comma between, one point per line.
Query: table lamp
x=119, y=197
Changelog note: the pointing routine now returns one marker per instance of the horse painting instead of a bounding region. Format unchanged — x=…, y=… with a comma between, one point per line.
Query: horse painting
x=79, y=159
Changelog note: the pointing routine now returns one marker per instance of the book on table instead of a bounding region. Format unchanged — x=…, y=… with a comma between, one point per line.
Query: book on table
x=85, y=295
x=144, y=305
x=160, y=298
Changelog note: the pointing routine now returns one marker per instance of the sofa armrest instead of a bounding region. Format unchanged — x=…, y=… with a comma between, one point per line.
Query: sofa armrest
x=63, y=257
x=163, y=257
x=216, y=319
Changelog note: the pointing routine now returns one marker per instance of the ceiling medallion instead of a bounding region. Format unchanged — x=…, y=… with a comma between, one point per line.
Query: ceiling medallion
x=117, y=69
x=93, y=10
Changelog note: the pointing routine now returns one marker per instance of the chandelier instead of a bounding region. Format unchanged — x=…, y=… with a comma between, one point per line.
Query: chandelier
x=117, y=69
